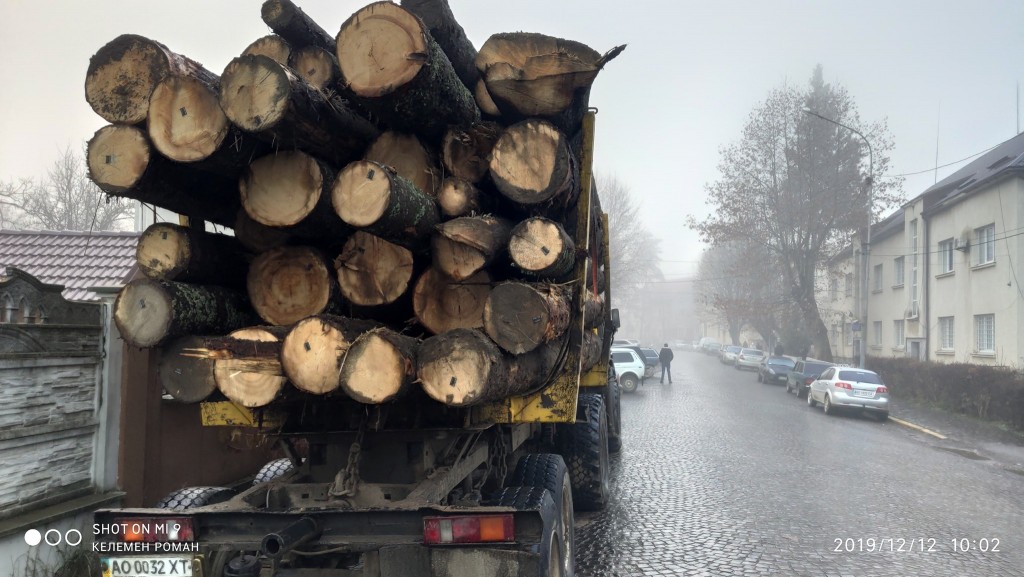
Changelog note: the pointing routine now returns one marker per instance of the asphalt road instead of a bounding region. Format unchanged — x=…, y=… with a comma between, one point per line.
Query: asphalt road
x=722, y=475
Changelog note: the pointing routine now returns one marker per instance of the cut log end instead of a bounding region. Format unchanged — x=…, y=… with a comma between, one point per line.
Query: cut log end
x=272, y=46
x=408, y=156
x=281, y=189
x=238, y=380
x=456, y=377
x=458, y=197
x=312, y=355
x=141, y=61
x=457, y=260
x=530, y=162
x=361, y=193
x=143, y=312
x=373, y=271
x=396, y=40
x=375, y=371
x=186, y=122
x=163, y=251
x=520, y=317
x=442, y=304
x=539, y=246
x=187, y=379
x=316, y=66
x=287, y=284
x=118, y=157
x=255, y=92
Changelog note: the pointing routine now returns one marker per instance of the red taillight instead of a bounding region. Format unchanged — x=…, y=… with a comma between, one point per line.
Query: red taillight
x=153, y=529
x=468, y=529
x=882, y=390
x=808, y=380
x=842, y=385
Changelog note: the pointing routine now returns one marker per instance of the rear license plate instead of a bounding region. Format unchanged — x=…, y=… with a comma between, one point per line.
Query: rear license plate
x=780, y=378
x=146, y=566
x=868, y=394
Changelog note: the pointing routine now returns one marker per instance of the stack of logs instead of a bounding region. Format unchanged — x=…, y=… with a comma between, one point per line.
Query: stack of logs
x=403, y=207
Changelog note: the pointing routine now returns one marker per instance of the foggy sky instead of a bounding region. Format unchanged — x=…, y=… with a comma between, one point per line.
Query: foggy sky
x=943, y=73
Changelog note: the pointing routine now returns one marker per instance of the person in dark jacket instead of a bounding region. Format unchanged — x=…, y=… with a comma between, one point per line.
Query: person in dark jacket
x=665, y=357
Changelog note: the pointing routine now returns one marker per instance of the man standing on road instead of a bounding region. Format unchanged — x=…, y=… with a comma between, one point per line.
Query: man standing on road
x=665, y=356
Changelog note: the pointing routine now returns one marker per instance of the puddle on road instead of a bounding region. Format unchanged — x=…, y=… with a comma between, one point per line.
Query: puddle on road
x=964, y=453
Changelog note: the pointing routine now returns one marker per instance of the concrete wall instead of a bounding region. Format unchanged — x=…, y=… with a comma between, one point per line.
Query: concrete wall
x=890, y=303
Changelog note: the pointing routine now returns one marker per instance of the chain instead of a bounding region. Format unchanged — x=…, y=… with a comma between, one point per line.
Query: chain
x=346, y=483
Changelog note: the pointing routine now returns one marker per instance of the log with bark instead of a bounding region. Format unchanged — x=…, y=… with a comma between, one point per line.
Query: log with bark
x=187, y=379
x=532, y=164
x=372, y=271
x=458, y=197
x=466, y=150
x=258, y=237
x=380, y=366
x=292, y=190
x=123, y=163
x=252, y=378
x=442, y=304
x=409, y=157
x=534, y=75
x=171, y=252
x=590, y=350
x=149, y=312
x=295, y=26
x=272, y=46
x=541, y=248
x=372, y=197
x=122, y=74
x=315, y=348
x=267, y=98
x=449, y=35
x=519, y=317
x=593, y=309
x=290, y=283
x=463, y=367
x=463, y=246
x=388, y=59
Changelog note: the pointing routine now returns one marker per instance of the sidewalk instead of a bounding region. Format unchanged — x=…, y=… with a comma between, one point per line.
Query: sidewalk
x=969, y=437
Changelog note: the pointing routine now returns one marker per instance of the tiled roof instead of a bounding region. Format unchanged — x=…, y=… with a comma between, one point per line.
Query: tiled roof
x=1006, y=157
x=76, y=260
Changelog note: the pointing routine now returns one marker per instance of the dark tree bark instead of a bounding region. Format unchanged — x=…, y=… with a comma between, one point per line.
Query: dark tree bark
x=184, y=254
x=593, y=310
x=188, y=379
x=401, y=73
x=314, y=350
x=372, y=197
x=466, y=150
x=256, y=237
x=449, y=35
x=149, y=312
x=290, y=283
x=379, y=367
x=519, y=317
x=372, y=271
x=541, y=248
x=122, y=163
x=532, y=165
x=295, y=26
x=442, y=304
x=464, y=246
x=252, y=379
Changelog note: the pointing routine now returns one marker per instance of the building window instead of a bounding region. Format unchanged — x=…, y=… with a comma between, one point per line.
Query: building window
x=985, y=333
x=897, y=271
x=898, y=336
x=878, y=277
x=878, y=333
x=946, y=256
x=985, y=244
x=849, y=284
x=946, y=331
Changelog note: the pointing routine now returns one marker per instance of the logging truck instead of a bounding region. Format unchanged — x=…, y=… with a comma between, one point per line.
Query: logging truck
x=414, y=305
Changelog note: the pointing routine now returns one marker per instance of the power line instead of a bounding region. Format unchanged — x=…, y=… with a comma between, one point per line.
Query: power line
x=940, y=166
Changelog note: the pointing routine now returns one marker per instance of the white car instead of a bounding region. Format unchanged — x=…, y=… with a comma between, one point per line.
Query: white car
x=850, y=388
x=629, y=367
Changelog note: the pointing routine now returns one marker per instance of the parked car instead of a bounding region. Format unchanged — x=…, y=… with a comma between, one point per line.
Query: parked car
x=729, y=353
x=709, y=346
x=625, y=343
x=749, y=359
x=803, y=374
x=775, y=369
x=850, y=388
x=652, y=360
x=630, y=368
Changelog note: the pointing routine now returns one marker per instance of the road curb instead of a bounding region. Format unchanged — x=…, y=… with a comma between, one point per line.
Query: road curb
x=910, y=425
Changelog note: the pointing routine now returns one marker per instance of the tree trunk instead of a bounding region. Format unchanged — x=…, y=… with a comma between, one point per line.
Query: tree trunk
x=149, y=312
x=519, y=317
x=819, y=332
x=293, y=190
x=314, y=350
x=379, y=367
x=464, y=246
x=318, y=67
x=187, y=379
x=531, y=164
x=253, y=380
x=593, y=309
x=258, y=237
x=171, y=252
x=463, y=367
x=272, y=46
x=541, y=248
x=122, y=163
x=122, y=74
x=442, y=304
x=410, y=159
x=466, y=150
x=291, y=23
x=533, y=75
x=449, y=35
x=290, y=283
x=458, y=197
x=388, y=59
x=372, y=271
x=371, y=197
x=267, y=98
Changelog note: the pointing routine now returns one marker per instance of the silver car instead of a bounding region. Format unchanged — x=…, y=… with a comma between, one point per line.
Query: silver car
x=749, y=359
x=849, y=388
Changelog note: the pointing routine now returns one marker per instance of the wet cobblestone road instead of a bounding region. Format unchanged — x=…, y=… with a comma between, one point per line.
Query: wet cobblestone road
x=721, y=475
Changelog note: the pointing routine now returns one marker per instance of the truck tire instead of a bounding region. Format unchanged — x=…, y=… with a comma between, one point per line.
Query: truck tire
x=191, y=497
x=548, y=471
x=584, y=445
x=272, y=470
x=552, y=556
x=613, y=397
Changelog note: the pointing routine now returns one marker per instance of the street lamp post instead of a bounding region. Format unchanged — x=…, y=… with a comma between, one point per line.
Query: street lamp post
x=866, y=247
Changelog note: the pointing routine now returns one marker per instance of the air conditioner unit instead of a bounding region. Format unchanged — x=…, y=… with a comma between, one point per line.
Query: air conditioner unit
x=963, y=242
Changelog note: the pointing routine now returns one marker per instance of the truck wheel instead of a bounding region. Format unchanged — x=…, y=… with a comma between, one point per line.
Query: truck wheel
x=629, y=382
x=584, y=445
x=272, y=470
x=548, y=471
x=552, y=557
x=191, y=497
x=613, y=396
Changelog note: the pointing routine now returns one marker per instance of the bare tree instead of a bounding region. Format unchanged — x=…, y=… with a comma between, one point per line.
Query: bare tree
x=800, y=187
x=63, y=200
x=634, y=249
x=744, y=286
